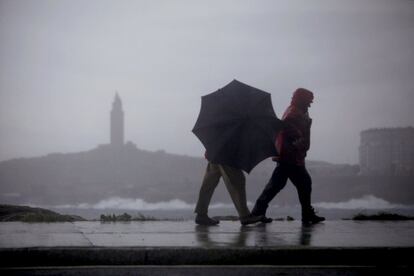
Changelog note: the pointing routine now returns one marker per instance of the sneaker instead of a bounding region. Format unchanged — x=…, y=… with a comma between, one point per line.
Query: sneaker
x=205, y=220
x=266, y=219
x=250, y=219
x=309, y=217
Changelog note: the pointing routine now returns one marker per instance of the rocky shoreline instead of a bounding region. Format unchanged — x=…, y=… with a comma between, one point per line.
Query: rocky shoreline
x=31, y=214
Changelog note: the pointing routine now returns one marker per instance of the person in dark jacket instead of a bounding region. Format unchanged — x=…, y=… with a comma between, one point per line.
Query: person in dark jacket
x=292, y=144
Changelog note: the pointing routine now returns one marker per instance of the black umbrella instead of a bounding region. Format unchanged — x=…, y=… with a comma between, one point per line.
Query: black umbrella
x=237, y=125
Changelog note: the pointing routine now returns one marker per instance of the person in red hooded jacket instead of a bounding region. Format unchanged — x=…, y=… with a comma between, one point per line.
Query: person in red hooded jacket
x=292, y=144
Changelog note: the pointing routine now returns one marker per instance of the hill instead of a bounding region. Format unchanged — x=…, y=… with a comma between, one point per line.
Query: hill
x=129, y=172
x=30, y=214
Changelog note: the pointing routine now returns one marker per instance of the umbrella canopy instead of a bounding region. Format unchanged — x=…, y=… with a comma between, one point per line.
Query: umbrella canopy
x=237, y=125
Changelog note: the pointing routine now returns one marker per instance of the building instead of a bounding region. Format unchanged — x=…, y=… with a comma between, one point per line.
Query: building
x=117, y=123
x=387, y=151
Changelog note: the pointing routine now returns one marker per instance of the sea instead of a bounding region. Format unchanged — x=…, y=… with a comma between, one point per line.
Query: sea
x=177, y=209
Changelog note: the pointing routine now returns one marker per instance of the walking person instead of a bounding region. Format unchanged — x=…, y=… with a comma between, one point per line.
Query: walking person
x=235, y=182
x=237, y=125
x=292, y=144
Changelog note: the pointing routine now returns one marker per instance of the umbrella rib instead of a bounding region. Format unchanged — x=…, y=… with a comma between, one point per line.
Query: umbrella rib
x=220, y=124
x=237, y=124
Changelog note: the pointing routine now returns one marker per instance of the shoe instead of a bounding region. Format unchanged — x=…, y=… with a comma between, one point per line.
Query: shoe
x=309, y=217
x=205, y=220
x=250, y=219
x=266, y=220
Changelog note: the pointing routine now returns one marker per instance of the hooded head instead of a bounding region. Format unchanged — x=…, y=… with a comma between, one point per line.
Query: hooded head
x=302, y=98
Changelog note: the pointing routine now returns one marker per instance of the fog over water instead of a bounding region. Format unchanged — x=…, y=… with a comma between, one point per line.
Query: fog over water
x=367, y=202
x=61, y=62
x=179, y=209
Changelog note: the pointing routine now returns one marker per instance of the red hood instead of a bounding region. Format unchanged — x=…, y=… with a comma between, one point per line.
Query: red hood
x=302, y=97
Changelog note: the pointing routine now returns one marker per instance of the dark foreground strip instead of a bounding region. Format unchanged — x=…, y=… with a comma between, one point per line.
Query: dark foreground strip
x=246, y=270
x=110, y=256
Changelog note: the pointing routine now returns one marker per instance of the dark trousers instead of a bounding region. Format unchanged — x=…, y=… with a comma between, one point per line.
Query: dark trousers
x=299, y=177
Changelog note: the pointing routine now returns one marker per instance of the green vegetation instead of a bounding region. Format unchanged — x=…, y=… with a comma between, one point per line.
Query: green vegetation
x=288, y=218
x=126, y=217
x=381, y=216
x=30, y=214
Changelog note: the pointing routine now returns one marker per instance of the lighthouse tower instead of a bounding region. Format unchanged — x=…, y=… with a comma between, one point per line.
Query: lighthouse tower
x=117, y=123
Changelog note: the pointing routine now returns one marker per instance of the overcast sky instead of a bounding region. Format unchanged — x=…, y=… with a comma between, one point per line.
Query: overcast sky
x=61, y=62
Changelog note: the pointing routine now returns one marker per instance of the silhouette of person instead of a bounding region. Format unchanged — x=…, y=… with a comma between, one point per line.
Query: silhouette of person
x=235, y=182
x=292, y=144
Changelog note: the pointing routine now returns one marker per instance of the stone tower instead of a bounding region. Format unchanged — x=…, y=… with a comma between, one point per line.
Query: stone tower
x=117, y=122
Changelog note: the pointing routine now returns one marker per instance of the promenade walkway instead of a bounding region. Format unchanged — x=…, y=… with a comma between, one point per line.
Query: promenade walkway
x=153, y=246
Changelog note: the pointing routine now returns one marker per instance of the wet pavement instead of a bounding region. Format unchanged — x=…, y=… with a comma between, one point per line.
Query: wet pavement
x=183, y=248
x=228, y=234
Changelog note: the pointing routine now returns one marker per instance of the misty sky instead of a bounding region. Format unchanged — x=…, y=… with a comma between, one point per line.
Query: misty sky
x=61, y=62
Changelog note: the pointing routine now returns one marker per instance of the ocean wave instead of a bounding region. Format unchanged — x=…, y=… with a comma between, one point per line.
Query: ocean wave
x=365, y=202
x=119, y=203
x=140, y=204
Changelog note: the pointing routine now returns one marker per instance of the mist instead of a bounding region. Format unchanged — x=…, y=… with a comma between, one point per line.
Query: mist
x=366, y=202
x=62, y=61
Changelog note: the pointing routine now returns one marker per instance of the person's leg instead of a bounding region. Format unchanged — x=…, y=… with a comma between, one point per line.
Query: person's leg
x=276, y=183
x=303, y=183
x=209, y=184
x=235, y=182
x=236, y=185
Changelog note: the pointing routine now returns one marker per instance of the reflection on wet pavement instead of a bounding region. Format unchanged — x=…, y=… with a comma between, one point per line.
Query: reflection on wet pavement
x=260, y=235
x=226, y=234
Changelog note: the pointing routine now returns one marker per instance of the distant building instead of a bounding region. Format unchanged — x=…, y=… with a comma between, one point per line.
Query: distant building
x=117, y=122
x=387, y=151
